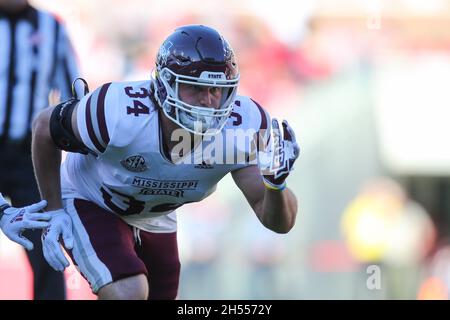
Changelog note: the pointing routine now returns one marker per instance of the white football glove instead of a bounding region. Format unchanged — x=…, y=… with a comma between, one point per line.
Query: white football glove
x=13, y=221
x=276, y=158
x=60, y=225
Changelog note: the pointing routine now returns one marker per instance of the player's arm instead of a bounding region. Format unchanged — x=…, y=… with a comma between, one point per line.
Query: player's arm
x=73, y=126
x=46, y=162
x=264, y=186
x=47, y=156
x=275, y=209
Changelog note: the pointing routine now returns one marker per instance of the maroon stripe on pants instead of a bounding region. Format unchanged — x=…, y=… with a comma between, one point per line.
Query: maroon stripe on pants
x=112, y=240
x=159, y=251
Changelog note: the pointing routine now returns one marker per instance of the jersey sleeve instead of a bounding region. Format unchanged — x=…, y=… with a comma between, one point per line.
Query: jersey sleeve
x=97, y=119
x=262, y=126
x=249, y=117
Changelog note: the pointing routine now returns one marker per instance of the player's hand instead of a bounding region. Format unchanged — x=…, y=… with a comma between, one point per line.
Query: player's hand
x=277, y=157
x=60, y=225
x=15, y=220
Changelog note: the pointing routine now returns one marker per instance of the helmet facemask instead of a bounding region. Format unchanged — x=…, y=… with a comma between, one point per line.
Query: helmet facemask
x=193, y=118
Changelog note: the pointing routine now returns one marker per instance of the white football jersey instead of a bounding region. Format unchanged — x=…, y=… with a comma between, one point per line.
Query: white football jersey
x=130, y=175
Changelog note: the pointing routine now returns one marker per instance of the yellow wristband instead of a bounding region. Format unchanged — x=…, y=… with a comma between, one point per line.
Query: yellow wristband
x=274, y=187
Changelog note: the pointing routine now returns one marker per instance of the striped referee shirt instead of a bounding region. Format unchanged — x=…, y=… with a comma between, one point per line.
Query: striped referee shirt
x=35, y=57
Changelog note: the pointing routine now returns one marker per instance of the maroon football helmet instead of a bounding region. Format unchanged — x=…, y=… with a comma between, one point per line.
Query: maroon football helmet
x=200, y=56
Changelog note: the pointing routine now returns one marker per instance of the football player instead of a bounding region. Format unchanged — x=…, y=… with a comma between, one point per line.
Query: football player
x=114, y=198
